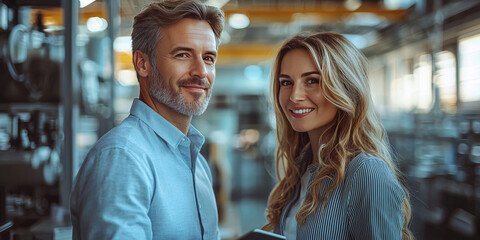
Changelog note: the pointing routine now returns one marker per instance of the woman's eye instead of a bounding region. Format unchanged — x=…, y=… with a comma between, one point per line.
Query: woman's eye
x=312, y=81
x=285, y=83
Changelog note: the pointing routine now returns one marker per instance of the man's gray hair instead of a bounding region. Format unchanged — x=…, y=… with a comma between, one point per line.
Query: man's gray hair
x=147, y=25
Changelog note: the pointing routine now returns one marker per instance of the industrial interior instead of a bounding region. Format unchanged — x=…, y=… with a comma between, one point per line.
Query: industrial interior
x=67, y=78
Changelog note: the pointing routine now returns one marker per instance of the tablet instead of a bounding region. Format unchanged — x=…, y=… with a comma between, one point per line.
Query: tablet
x=257, y=234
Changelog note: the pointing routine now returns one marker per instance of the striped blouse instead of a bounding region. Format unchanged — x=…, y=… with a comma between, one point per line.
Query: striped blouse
x=367, y=204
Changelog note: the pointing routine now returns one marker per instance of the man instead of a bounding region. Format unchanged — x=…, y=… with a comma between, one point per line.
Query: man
x=145, y=179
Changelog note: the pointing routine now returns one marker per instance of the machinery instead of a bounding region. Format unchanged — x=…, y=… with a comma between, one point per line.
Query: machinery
x=30, y=141
x=42, y=99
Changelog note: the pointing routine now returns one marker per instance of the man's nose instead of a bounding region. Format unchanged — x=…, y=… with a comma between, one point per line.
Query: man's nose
x=298, y=93
x=199, y=68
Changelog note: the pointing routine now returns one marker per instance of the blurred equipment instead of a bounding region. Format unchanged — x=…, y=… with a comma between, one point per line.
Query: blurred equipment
x=30, y=167
x=4, y=229
x=427, y=74
x=56, y=99
x=31, y=74
x=30, y=139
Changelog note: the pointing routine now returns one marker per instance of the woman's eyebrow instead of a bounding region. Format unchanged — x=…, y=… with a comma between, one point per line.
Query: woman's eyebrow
x=309, y=73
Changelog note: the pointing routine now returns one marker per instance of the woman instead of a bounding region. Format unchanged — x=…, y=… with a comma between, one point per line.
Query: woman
x=339, y=180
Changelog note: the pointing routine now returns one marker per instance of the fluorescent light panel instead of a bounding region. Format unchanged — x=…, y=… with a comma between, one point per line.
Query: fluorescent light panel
x=84, y=3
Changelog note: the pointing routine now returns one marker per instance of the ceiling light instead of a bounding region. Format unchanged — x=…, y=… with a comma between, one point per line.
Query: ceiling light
x=253, y=72
x=352, y=5
x=84, y=3
x=238, y=21
x=123, y=44
x=365, y=19
x=398, y=4
x=96, y=24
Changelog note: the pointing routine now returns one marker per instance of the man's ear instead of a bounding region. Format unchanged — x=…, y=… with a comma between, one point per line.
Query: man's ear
x=141, y=63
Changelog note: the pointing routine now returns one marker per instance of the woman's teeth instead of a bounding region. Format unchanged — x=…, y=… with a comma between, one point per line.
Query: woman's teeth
x=301, y=111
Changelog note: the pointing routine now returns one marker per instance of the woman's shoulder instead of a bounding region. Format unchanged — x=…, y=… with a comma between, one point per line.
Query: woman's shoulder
x=363, y=160
x=368, y=169
x=369, y=178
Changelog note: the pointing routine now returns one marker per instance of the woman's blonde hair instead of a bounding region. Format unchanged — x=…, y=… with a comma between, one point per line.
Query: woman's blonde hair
x=354, y=129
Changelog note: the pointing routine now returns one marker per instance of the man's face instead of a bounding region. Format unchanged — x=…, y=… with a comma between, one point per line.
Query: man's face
x=185, y=67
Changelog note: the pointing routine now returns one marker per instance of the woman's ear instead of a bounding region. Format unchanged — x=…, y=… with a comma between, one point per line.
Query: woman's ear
x=141, y=63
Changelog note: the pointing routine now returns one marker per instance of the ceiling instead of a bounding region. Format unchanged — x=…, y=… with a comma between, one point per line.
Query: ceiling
x=272, y=21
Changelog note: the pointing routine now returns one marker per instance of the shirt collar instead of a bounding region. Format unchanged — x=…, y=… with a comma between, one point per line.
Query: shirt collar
x=163, y=128
x=196, y=137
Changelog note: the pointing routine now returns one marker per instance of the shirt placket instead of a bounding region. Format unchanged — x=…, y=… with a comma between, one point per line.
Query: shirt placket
x=190, y=154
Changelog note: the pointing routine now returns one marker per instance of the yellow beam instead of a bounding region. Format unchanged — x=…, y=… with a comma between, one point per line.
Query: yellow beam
x=54, y=16
x=227, y=54
x=332, y=12
x=123, y=60
x=246, y=53
x=256, y=13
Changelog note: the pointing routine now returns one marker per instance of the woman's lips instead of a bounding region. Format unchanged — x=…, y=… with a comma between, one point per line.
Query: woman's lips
x=300, y=112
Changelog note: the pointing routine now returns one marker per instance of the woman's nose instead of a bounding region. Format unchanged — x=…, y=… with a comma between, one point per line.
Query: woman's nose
x=298, y=93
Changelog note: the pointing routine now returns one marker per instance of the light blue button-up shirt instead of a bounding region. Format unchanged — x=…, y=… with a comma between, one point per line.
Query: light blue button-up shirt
x=145, y=180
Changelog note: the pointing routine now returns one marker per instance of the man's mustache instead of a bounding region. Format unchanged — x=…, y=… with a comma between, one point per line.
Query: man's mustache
x=197, y=81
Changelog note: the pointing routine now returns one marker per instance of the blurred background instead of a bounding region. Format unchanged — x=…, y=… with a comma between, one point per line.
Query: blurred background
x=66, y=78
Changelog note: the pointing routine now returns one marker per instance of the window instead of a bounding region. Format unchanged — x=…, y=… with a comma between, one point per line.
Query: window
x=469, y=69
x=445, y=79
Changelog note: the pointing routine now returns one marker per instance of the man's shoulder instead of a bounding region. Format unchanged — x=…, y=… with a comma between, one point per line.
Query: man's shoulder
x=132, y=135
x=121, y=146
x=129, y=132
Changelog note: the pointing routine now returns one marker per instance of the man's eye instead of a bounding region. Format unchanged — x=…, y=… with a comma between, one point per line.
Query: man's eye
x=210, y=59
x=285, y=82
x=182, y=55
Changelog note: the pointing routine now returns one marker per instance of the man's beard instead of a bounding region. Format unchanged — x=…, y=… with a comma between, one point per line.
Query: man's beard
x=164, y=93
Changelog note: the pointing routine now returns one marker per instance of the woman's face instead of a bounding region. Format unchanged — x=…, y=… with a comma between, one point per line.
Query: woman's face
x=300, y=94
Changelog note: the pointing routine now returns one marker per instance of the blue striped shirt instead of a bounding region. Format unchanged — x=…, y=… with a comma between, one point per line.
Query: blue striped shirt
x=367, y=204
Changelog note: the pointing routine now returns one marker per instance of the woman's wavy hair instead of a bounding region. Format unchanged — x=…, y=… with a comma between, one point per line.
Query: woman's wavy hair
x=354, y=129
x=147, y=25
